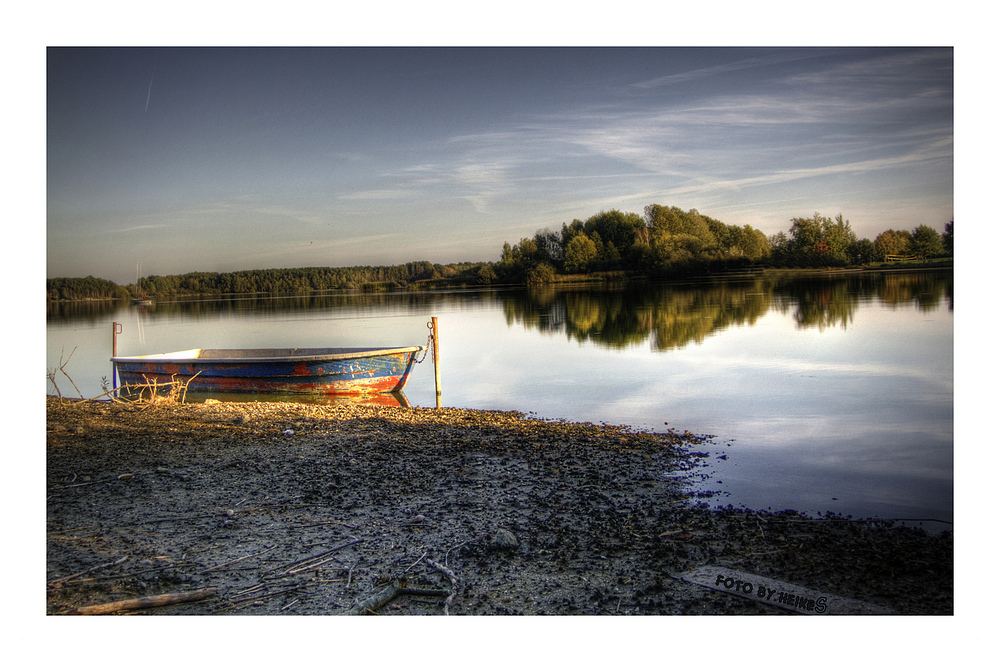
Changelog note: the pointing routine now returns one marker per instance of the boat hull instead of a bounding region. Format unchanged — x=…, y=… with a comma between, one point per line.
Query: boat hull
x=333, y=372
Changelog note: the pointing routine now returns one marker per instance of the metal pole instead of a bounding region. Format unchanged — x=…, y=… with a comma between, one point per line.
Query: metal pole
x=437, y=361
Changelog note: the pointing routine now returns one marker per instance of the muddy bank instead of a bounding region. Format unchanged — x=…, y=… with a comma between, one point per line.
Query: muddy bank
x=298, y=509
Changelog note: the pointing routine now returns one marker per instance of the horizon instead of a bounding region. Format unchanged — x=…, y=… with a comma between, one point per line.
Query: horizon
x=229, y=159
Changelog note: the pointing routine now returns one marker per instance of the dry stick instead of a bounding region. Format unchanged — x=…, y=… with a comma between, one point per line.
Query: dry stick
x=83, y=572
x=324, y=523
x=265, y=596
x=171, y=566
x=381, y=598
x=318, y=559
x=84, y=484
x=177, y=519
x=106, y=393
x=221, y=565
x=52, y=378
x=146, y=602
x=414, y=563
x=451, y=577
x=255, y=587
x=62, y=369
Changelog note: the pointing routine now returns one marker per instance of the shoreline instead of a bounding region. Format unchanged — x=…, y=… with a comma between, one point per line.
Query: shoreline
x=529, y=516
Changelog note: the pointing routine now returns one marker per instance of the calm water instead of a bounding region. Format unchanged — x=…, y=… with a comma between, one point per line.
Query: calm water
x=826, y=393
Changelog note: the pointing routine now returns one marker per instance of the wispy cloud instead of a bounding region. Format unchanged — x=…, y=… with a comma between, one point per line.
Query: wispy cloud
x=768, y=60
x=373, y=194
x=138, y=228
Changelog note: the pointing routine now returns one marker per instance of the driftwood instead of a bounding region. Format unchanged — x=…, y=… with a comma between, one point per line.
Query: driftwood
x=145, y=602
x=380, y=599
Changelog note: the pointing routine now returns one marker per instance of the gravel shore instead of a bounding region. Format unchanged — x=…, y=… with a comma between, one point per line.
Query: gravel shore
x=304, y=509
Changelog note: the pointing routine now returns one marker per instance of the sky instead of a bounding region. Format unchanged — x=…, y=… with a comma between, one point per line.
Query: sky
x=187, y=159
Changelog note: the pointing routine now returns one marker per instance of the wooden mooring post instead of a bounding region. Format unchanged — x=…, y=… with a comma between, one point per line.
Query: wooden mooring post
x=116, y=328
x=437, y=361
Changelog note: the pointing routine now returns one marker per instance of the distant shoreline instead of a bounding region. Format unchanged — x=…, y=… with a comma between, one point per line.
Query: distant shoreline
x=560, y=279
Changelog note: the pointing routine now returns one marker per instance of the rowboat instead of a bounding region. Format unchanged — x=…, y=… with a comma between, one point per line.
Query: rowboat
x=351, y=371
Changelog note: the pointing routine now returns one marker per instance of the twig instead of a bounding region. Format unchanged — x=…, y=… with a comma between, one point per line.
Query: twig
x=51, y=374
x=87, y=483
x=146, y=602
x=263, y=597
x=323, y=523
x=414, y=563
x=312, y=561
x=110, y=392
x=171, y=566
x=177, y=519
x=83, y=572
x=62, y=369
x=451, y=577
x=216, y=567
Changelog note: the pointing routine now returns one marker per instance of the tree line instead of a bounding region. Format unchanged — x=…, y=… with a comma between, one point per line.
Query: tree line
x=663, y=242
x=668, y=241
x=266, y=281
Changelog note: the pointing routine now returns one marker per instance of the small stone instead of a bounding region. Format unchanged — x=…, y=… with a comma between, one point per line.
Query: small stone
x=504, y=539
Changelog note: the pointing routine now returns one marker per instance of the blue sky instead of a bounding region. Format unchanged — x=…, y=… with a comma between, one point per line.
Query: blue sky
x=219, y=159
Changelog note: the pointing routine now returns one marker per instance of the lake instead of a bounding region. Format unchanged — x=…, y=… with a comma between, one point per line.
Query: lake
x=825, y=392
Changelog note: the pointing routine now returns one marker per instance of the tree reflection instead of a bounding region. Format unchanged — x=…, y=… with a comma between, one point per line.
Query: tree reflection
x=665, y=315
x=670, y=316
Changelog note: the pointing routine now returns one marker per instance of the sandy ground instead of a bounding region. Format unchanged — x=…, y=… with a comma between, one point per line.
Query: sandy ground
x=302, y=509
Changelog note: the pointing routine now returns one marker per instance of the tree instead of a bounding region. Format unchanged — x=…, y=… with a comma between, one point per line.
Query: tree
x=507, y=254
x=892, y=242
x=615, y=227
x=925, y=241
x=549, y=244
x=580, y=253
x=664, y=221
x=486, y=275
x=838, y=236
x=862, y=252
x=804, y=247
x=541, y=273
x=948, y=237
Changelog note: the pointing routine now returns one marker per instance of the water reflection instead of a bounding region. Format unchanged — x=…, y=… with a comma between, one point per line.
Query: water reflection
x=396, y=399
x=673, y=316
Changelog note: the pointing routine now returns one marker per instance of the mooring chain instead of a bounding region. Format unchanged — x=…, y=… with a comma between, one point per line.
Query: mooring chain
x=430, y=339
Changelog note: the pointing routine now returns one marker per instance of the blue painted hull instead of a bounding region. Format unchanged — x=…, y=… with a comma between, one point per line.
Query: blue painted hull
x=332, y=372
